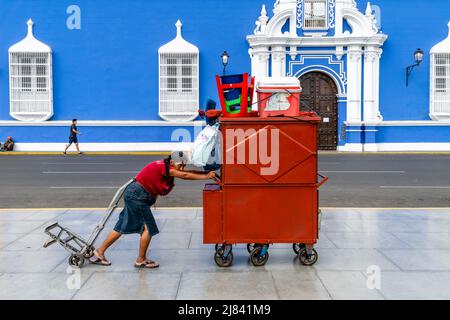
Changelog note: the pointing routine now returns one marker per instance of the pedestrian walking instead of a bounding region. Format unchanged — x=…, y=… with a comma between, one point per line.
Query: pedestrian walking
x=73, y=138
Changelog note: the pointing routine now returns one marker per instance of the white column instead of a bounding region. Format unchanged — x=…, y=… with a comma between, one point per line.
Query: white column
x=371, y=84
x=376, y=84
x=278, y=61
x=354, y=74
x=260, y=66
x=339, y=24
x=260, y=61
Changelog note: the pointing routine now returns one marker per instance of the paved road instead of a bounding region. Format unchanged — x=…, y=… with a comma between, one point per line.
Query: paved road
x=355, y=181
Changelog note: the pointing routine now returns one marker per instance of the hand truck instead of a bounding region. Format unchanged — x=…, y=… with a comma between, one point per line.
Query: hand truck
x=79, y=248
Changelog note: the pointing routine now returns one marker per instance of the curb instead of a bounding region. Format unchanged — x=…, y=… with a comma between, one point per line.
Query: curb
x=166, y=153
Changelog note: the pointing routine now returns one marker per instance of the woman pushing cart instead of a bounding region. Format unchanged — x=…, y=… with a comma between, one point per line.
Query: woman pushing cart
x=156, y=179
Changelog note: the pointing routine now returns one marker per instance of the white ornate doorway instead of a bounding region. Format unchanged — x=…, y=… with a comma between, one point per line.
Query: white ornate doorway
x=342, y=42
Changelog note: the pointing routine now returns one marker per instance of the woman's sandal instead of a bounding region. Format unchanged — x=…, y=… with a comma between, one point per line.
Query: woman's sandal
x=100, y=261
x=147, y=265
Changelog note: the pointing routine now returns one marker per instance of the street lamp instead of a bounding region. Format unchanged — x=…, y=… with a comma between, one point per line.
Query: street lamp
x=225, y=58
x=418, y=57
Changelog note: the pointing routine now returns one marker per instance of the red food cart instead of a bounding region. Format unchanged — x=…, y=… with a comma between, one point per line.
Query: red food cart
x=268, y=191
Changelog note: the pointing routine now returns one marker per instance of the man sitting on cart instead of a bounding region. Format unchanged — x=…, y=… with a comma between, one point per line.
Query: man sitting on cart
x=156, y=179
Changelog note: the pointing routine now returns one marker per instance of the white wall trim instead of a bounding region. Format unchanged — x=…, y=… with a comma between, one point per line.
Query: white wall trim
x=395, y=147
x=351, y=147
x=101, y=124
x=171, y=146
x=407, y=147
x=103, y=147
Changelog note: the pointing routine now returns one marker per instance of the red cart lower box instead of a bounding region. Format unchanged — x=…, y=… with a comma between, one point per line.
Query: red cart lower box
x=259, y=216
x=269, y=188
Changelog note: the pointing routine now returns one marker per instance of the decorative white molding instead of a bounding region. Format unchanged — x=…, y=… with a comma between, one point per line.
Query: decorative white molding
x=261, y=24
x=354, y=75
x=407, y=147
x=344, y=41
x=330, y=19
x=395, y=147
x=371, y=17
x=351, y=147
x=371, y=84
x=275, y=25
x=276, y=6
x=360, y=24
x=30, y=44
x=305, y=55
x=332, y=13
x=102, y=124
x=339, y=78
x=363, y=35
x=300, y=14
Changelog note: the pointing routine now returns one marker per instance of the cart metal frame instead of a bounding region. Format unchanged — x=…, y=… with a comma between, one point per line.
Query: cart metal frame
x=79, y=248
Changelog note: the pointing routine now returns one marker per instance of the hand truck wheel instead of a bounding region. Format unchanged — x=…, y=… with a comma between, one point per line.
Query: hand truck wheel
x=298, y=247
x=308, y=259
x=76, y=261
x=223, y=262
x=89, y=253
x=257, y=259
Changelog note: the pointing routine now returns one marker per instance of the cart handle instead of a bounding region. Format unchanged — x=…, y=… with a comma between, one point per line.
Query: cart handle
x=218, y=181
x=324, y=180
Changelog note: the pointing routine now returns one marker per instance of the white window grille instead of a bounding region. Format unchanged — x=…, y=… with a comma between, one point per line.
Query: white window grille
x=30, y=71
x=315, y=15
x=440, y=80
x=178, y=79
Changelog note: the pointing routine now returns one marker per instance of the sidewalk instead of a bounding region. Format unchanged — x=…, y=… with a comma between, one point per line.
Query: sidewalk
x=411, y=248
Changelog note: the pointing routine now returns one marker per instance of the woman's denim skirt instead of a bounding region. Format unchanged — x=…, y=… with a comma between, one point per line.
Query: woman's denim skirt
x=137, y=213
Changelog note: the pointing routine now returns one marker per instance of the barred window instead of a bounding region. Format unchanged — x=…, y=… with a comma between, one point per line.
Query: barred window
x=440, y=84
x=30, y=74
x=178, y=80
x=171, y=69
x=315, y=15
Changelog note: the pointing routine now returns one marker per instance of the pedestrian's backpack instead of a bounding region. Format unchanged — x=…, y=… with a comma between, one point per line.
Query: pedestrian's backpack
x=206, y=142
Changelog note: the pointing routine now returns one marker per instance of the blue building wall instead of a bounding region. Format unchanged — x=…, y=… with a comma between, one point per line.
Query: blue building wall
x=108, y=70
x=409, y=25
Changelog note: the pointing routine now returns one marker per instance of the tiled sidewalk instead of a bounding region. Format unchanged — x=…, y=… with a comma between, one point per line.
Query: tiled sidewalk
x=411, y=248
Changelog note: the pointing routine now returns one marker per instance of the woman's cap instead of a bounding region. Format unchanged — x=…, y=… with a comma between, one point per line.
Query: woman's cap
x=180, y=157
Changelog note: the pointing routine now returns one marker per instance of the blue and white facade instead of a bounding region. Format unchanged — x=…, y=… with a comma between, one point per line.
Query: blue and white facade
x=135, y=72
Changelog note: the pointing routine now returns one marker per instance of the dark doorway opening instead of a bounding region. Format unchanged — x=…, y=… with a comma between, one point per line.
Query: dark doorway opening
x=320, y=95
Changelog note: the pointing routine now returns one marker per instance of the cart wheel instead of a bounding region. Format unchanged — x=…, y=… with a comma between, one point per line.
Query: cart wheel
x=219, y=247
x=223, y=262
x=76, y=261
x=298, y=247
x=89, y=253
x=306, y=259
x=257, y=259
